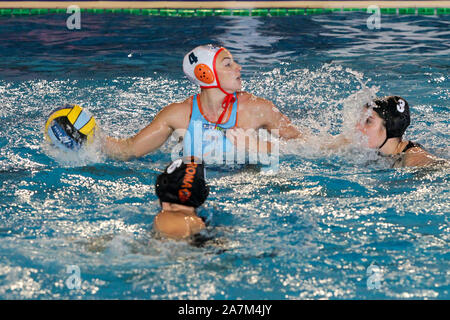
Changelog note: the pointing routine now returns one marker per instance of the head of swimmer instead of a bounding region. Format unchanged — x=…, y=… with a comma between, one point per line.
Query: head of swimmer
x=228, y=72
x=378, y=115
x=373, y=127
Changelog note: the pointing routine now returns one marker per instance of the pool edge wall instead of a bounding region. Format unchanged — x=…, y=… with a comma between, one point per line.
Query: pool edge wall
x=220, y=4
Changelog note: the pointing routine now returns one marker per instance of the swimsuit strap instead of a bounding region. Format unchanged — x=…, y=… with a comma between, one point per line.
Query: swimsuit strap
x=231, y=122
x=412, y=145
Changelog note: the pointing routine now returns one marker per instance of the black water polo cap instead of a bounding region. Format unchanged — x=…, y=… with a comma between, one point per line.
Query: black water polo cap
x=394, y=110
x=183, y=182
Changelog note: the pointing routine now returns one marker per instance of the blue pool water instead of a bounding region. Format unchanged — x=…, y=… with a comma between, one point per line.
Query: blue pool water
x=333, y=226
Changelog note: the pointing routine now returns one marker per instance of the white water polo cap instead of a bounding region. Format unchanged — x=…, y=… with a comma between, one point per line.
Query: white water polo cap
x=199, y=65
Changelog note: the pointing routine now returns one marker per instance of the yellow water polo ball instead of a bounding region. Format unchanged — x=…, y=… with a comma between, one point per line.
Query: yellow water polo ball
x=70, y=127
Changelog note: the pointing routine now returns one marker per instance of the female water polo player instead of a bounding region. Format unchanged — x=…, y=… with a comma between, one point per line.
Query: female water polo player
x=384, y=123
x=181, y=189
x=213, y=119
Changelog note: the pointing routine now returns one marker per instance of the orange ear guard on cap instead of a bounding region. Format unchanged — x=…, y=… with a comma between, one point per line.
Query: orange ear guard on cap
x=204, y=73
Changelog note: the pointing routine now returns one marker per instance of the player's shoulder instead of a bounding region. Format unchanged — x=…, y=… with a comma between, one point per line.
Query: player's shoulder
x=176, y=114
x=179, y=106
x=176, y=110
x=249, y=100
x=417, y=156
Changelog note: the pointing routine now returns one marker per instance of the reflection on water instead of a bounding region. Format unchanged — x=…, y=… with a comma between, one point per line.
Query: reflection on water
x=127, y=45
x=250, y=42
x=402, y=37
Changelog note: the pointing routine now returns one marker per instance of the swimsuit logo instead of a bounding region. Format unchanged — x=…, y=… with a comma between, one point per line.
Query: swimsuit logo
x=401, y=106
x=210, y=126
x=192, y=58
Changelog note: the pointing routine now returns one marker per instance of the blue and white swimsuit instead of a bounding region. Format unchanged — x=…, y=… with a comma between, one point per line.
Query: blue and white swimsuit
x=203, y=140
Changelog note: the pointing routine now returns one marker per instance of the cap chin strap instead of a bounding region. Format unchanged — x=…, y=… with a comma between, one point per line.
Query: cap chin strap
x=387, y=138
x=229, y=97
x=383, y=143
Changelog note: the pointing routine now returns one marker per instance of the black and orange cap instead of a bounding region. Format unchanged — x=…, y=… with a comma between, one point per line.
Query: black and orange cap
x=183, y=182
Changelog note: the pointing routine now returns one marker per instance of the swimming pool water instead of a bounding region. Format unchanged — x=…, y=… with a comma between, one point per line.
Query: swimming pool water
x=336, y=226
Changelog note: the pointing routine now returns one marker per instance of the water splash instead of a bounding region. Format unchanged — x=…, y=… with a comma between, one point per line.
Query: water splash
x=88, y=154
